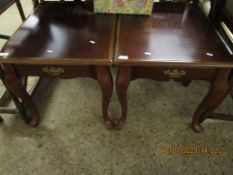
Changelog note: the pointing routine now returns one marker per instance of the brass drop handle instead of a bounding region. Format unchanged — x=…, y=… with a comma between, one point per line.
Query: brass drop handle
x=55, y=71
x=174, y=73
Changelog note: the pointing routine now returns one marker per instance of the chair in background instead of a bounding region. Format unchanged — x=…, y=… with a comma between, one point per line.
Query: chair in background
x=4, y=5
x=222, y=16
x=85, y=3
x=6, y=97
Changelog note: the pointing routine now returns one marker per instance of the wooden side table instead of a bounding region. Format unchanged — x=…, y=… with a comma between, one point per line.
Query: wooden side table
x=61, y=40
x=177, y=42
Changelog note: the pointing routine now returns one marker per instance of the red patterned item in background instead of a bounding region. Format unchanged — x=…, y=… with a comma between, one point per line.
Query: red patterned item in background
x=142, y=7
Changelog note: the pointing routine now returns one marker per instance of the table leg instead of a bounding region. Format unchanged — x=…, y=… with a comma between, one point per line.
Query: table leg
x=16, y=87
x=1, y=76
x=219, y=89
x=122, y=84
x=20, y=108
x=106, y=83
x=186, y=83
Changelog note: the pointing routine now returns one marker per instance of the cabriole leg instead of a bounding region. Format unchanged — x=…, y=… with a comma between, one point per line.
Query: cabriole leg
x=122, y=84
x=219, y=89
x=14, y=84
x=104, y=78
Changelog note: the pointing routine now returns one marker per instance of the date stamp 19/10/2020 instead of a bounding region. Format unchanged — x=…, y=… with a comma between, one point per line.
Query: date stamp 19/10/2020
x=190, y=150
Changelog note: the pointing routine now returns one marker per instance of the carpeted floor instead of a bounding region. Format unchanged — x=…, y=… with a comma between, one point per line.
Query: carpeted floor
x=72, y=140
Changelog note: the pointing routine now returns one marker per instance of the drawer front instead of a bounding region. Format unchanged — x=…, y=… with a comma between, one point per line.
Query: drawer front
x=170, y=73
x=55, y=71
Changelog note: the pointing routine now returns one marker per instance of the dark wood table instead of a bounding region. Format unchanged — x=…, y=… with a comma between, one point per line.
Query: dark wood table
x=177, y=42
x=61, y=40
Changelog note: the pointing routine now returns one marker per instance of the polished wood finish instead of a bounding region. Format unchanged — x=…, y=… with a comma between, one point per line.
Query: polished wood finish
x=105, y=81
x=177, y=42
x=61, y=40
x=178, y=74
x=122, y=84
x=183, y=37
x=63, y=32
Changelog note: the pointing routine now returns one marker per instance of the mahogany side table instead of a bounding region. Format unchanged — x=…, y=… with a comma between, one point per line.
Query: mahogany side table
x=60, y=40
x=176, y=42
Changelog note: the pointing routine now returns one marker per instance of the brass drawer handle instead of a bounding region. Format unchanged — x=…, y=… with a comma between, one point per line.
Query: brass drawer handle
x=55, y=71
x=174, y=73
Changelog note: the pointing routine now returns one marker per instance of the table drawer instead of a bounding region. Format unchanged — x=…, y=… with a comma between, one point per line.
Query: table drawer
x=177, y=74
x=53, y=71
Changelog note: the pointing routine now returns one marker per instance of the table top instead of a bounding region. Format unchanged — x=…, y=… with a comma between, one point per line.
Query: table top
x=171, y=36
x=62, y=33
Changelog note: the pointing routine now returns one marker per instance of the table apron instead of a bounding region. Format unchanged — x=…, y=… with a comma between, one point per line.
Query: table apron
x=56, y=71
x=173, y=73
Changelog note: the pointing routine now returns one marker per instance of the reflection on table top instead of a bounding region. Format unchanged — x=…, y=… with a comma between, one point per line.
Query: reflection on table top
x=176, y=36
x=63, y=33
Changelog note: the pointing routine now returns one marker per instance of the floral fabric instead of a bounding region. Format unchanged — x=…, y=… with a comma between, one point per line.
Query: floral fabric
x=124, y=6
